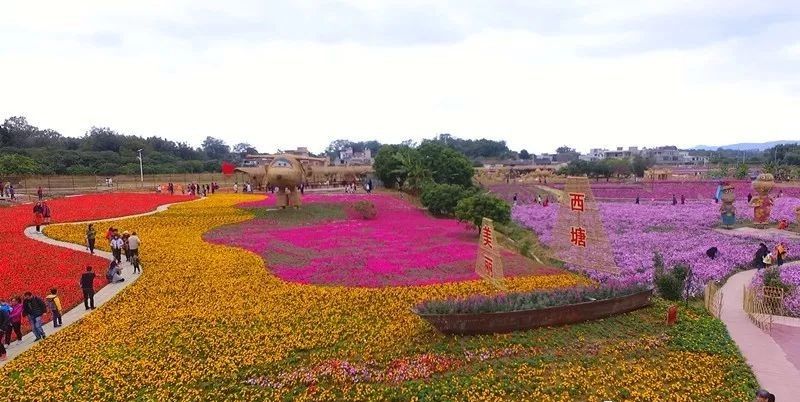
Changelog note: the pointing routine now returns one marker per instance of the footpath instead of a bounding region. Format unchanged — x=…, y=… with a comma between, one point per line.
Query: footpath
x=769, y=361
x=100, y=297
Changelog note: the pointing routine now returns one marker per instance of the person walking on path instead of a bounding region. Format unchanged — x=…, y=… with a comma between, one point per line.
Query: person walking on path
x=38, y=217
x=40, y=193
x=674, y=200
x=125, y=236
x=683, y=199
x=15, y=323
x=5, y=319
x=91, y=237
x=54, y=304
x=133, y=244
x=87, y=285
x=116, y=247
x=34, y=308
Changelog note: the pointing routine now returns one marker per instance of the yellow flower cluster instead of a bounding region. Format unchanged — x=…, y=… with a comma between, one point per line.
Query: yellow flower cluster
x=204, y=318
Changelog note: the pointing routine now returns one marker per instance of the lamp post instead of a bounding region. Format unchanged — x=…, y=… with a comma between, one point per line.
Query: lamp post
x=141, y=169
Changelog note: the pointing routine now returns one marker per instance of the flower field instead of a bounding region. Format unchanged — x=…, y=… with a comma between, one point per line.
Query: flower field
x=402, y=246
x=29, y=265
x=208, y=322
x=648, y=191
x=679, y=233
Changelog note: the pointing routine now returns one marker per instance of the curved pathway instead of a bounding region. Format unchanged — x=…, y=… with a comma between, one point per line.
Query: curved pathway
x=100, y=297
x=769, y=362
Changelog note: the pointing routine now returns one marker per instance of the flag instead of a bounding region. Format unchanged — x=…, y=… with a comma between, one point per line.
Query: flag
x=228, y=168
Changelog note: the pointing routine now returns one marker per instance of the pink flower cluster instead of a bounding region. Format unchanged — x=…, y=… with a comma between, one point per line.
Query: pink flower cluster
x=679, y=233
x=402, y=246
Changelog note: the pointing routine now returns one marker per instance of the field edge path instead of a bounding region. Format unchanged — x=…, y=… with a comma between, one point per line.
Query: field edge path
x=106, y=293
x=766, y=358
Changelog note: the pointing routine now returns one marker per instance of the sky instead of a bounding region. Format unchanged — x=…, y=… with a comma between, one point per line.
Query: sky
x=282, y=74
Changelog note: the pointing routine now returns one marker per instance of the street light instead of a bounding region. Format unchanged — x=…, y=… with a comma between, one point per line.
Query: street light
x=141, y=169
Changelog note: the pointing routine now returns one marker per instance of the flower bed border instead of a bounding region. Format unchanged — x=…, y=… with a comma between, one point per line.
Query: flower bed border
x=509, y=321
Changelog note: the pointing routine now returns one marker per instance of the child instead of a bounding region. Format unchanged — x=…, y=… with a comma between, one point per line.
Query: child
x=135, y=262
x=54, y=304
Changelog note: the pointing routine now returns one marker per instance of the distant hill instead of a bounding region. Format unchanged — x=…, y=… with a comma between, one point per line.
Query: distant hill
x=746, y=146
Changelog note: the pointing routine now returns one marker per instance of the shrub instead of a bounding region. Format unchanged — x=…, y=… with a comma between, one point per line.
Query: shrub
x=366, y=209
x=670, y=283
x=772, y=278
x=526, y=300
x=474, y=208
x=441, y=199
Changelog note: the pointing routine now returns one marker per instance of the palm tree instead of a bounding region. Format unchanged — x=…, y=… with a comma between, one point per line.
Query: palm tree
x=411, y=174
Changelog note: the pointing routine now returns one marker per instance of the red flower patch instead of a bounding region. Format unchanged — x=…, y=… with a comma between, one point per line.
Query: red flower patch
x=30, y=265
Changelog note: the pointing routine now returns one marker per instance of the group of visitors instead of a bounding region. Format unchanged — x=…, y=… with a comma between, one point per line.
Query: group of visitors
x=31, y=307
x=674, y=199
x=538, y=200
x=765, y=259
x=41, y=215
x=126, y=243
x=202, y=189
x=7, y=190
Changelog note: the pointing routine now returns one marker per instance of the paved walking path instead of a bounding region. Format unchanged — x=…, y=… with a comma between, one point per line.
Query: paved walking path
x=771, y=366
x=100, y=297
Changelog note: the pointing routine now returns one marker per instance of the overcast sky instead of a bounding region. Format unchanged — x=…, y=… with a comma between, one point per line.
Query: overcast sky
x=281, y=74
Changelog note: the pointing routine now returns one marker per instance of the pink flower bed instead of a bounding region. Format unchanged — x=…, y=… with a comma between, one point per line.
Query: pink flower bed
x=662, y=190
x=678, y=232
x=403, y=246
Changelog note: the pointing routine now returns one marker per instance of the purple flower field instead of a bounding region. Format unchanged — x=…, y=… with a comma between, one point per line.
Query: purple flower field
x=679, y=233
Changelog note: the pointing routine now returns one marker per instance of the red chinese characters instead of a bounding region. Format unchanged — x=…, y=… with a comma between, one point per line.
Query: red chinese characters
x=578, y=236
x=576, y=201
x=487, y=237
x=488, y=265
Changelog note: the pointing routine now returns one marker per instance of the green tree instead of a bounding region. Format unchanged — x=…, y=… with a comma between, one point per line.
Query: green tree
x=388, y=168
x=741, y=171
x=215, y=148
x=620, y=167
x=639, y=165
x=524, y=155
x=446, y=165
x=18, y=165
x=412, y=169
x=482, y=205
x=441, y=199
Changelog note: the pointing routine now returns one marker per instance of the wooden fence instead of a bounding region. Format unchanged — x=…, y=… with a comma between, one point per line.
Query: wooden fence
x=762, y=303
x=712, y=295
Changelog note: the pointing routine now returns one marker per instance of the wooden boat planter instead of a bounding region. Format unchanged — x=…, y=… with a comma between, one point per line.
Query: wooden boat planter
x=509, y=321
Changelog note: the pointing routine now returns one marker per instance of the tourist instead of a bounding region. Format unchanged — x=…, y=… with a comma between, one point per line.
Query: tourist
x=783, y=224
x=171, y=188
x=40, y=193
x=780, y=253
x=10, y=190
x=749, y=197
x=116, y=247
x=764, y=396
x=780, y=193
x=761, y=253
x=91, y=237
x=109, y=234
x=637, y=200
x=158, y=189
x=236, y=187
x=54, y=304
x=683, y=199
x=769, y=259
x=133, y=244
x=37, y=216
x=125, y=248
x=515, y=199
x=539, y=199
x=114, y=273
x=546, y=201
x=369, y=186
x=712, y=252
x=15, y=323
x=46, y=212
x=34, y=308
x=87, y=286
x=5, y=319
x=674, y=200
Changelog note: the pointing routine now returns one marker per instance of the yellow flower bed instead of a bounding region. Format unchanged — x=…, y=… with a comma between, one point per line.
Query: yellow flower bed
x=203, y=318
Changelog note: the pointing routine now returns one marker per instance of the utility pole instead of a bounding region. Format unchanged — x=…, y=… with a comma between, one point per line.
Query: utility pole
x=141, y=168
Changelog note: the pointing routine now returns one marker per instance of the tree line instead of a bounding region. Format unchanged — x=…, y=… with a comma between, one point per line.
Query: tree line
x=28, y=150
